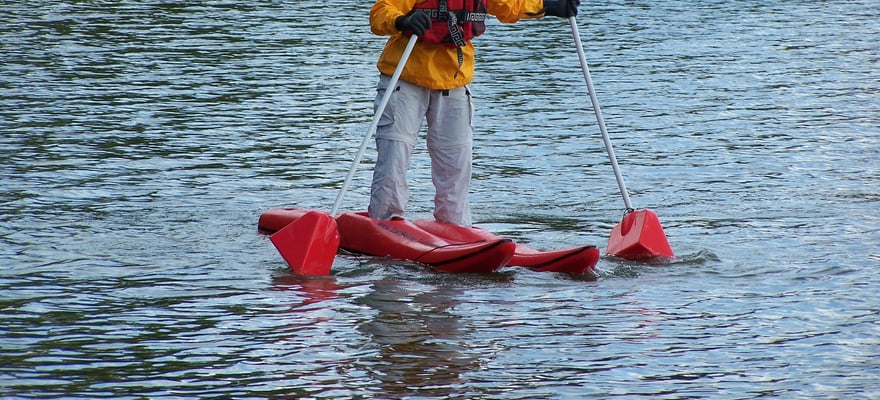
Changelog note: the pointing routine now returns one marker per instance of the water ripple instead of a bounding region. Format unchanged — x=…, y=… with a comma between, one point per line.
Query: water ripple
x=140, y=141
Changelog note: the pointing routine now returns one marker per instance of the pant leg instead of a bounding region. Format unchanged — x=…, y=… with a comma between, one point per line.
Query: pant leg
x=450, y=144
x=396, y=136
x=389, y=192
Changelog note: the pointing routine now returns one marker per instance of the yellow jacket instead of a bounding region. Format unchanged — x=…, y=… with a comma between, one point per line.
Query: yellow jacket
x=429, y=65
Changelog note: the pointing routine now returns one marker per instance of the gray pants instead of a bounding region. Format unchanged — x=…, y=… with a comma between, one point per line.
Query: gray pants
x=450, y=145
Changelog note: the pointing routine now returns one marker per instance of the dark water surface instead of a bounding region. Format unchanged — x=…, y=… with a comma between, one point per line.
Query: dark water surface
x=139, y=142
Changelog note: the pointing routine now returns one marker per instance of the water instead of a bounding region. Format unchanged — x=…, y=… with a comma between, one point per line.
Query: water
x=141, y=140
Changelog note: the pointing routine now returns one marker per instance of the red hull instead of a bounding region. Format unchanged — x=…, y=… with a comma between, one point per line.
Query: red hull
x=274, y=219
x=445, y=247
x=402, y=240
x=575, y=260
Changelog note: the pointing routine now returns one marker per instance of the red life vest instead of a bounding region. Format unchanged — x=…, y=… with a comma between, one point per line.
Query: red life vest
x=453, y=22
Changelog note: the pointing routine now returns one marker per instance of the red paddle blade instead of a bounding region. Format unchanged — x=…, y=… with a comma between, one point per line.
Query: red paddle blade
x=308, y=244
x=639, y=236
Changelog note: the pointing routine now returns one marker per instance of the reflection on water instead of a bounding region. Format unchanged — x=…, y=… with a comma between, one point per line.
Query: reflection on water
x=139, y=142
x=314, y=289
x=419, y=339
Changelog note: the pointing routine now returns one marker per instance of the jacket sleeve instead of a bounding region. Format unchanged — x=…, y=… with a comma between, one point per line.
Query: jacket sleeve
x=510, y=11
x=385, y=12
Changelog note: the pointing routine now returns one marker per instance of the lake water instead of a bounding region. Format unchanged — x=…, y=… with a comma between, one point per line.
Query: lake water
x=140, y=141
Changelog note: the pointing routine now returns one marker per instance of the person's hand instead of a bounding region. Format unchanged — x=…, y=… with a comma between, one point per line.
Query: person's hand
x=415, y=22
x=561, y=8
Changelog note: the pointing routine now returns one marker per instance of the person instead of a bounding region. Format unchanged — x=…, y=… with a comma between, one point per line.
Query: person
x=433, y=87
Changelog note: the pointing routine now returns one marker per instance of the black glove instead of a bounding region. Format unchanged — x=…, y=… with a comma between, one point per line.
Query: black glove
x=561, y=8
x=415, y=22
